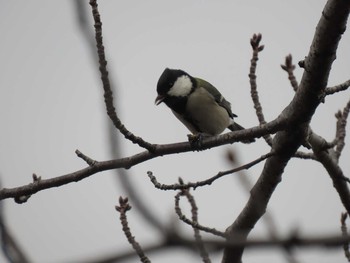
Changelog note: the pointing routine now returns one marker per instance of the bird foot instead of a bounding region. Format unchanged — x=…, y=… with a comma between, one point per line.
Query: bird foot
x=197, y=139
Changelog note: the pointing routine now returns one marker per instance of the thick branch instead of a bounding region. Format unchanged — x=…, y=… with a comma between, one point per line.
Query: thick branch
x=298, y=114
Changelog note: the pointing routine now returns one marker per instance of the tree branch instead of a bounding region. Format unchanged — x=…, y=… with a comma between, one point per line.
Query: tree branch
x=127, y=162
x=343, y=86
x=333, y=169
x=207, y=181
x=341, y=130
x=255, y=43
x=108, y=94
x=289, y=68
x=122, y=209
x=344, y=231
x=194, y=211
x=298, y=115
x=292, y=241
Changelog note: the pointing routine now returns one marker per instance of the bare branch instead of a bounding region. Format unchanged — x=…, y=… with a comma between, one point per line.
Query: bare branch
x=87, y=159
x=293, y=241
x=193, y=223
x=20, y=199
x=127, y=162
x=208, y=181
x=333, y=169
x=122, y=209
x=122, y=176
x=298, y=113
x=344, y=231
x=268, y=218
x=341, y=129
x=255, y=43
x=194, y=210
x=108, y=95
x=289, y=67
x=338, y=88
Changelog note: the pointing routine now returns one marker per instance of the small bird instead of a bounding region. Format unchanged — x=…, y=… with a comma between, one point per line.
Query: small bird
x=196, y=103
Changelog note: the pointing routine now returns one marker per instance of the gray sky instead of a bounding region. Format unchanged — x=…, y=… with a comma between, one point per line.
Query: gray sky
x=51, y=104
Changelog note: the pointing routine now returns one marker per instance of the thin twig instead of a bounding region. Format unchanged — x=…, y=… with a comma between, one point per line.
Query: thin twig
x=289, y=68
x=255, y=43
x=341, y=129
x=194, y=223
x=338, y=88
x=194, y=211
x=86, y=158
x=108, y=95
x=207, y=181
x=122, y=176
x=122, y=209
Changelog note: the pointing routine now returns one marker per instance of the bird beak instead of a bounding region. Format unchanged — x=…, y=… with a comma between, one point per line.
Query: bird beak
x=159, y=99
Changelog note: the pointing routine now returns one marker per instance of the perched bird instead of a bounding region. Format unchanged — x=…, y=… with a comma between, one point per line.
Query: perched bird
x=196, y=103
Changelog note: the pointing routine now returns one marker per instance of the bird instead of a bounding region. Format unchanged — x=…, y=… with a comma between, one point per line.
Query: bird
x=196, y=103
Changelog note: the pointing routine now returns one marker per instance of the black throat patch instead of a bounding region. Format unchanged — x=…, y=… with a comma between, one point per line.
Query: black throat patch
x=177, y=104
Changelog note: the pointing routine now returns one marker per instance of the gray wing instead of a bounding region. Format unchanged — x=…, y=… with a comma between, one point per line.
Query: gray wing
x=217, y=96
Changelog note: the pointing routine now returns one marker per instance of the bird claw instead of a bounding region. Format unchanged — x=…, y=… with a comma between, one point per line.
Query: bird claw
x=196, y=140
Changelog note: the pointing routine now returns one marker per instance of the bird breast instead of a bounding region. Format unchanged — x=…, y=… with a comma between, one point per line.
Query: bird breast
x=207, y=115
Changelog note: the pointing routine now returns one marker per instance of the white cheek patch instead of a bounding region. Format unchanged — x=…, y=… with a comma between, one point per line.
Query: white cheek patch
x=182, y=87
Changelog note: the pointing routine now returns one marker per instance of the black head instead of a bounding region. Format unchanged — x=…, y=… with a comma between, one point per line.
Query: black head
x=168, y=78
x=174, y=86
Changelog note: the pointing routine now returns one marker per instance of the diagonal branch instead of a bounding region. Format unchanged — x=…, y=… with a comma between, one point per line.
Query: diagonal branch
x=108, y=94
x=122, y=176
x=298, y=115
x=333, y=169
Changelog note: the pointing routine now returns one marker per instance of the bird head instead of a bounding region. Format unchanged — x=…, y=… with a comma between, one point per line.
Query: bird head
x=174, y=83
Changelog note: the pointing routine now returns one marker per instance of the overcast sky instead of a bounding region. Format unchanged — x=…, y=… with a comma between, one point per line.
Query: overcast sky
x=51, y=104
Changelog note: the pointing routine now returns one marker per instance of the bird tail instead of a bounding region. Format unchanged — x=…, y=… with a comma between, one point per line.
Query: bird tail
x=236, y=127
